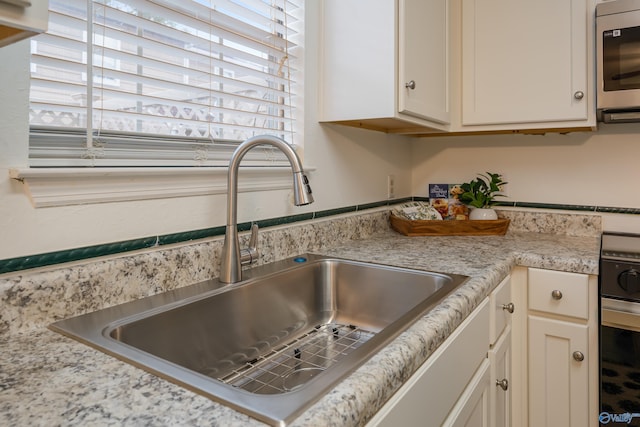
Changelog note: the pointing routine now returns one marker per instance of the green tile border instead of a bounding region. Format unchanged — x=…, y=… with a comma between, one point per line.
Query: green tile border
x=583, y=208
x=186, y=236
x=627, y=211
x=51, y=258
x=77, y=254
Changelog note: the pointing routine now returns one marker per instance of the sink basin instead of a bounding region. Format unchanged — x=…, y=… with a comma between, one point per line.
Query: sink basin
x=274, y=343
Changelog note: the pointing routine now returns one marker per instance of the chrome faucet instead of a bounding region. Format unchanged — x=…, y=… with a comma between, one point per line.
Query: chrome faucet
x=233, y=258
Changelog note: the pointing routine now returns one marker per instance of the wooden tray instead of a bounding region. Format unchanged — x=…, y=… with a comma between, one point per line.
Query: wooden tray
x=449, y=228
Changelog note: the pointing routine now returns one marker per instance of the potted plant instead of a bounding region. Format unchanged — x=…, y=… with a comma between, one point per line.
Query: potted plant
x=480, y=194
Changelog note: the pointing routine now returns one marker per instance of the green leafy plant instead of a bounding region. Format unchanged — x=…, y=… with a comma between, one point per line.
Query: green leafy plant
x=482, y=191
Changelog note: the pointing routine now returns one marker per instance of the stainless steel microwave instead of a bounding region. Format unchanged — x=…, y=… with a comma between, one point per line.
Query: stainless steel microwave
x=618, y=61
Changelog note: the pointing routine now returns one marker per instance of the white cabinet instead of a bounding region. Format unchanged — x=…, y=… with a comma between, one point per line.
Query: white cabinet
x=486, y=401
x=423, y=58
x=558, y=373
x=433, y=391
x=502, y=309
x=465, y=381
x=557, y=349
x=384, y=65
x=501, y=381
x=427, y=67
x=526, y=64
x=20, y=19
x=474, y=406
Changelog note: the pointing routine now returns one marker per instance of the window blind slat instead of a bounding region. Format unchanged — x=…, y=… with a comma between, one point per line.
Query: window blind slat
x=197, y=51
x=238, y=17
x=155, y=91
x=111, y=100
x=163, y=75
x=187, y=62
x=141, y=15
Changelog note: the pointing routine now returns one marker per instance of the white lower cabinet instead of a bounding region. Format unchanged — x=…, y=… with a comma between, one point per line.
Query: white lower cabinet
x=461, y=383
x=558, y=373
x=501, y=380
x=557, y=349
x=428, y=397
x=474, y=406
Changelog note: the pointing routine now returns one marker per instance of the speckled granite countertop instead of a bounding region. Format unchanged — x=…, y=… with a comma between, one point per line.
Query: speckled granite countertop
x=47, y=379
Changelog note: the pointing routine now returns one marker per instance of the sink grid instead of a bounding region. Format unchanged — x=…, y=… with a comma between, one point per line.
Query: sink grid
x=296, y=362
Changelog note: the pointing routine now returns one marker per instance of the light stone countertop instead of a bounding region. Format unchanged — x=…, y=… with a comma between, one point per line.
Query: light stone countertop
x=47, y=379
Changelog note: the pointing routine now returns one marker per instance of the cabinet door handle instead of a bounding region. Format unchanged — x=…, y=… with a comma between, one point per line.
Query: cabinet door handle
x=578, y=95
x=411, y=85
x=509, y=307
x=503, y=384
x=556, y=294
x=578, y=356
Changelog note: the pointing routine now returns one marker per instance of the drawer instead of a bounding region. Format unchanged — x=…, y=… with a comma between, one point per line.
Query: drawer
x=558, y=292
x=500, y=315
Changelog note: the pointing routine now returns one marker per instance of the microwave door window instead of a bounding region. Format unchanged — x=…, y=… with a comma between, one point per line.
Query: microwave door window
x=621, y=59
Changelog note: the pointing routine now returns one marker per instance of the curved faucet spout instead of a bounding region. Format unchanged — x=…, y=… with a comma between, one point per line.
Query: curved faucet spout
x=232, y=260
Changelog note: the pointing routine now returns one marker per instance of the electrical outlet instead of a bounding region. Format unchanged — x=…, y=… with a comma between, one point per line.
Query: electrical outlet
x=391, y=186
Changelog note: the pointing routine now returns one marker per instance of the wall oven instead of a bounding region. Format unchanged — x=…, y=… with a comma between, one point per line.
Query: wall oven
x=618, y=60
x=620, y=329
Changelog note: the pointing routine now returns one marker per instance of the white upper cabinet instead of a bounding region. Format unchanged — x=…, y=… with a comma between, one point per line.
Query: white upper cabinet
x=526, y=64
x=385, y=64
x=20, y=19
x=423, y=59
x=427, y=67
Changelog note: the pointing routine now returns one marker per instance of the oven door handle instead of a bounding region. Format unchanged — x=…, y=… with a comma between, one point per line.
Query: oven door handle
x=620, y=314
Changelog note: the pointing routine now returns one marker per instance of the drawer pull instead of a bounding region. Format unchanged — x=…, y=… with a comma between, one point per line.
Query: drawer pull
x=509, y=307
x=556, y=294
x=578, y=356
x=503, y=384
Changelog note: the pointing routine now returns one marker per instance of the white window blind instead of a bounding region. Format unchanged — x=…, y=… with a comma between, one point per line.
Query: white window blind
x=161, y=82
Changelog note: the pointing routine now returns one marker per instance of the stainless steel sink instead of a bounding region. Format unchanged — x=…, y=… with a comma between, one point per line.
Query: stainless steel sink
x=274, y=343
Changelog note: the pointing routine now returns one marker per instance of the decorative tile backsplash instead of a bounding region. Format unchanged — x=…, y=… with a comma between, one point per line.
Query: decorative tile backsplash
x=556, y=223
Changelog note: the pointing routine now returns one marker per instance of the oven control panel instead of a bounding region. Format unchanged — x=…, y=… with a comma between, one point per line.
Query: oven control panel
x=620, y=266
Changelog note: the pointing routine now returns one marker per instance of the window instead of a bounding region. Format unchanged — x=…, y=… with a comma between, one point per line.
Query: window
x=163, y=82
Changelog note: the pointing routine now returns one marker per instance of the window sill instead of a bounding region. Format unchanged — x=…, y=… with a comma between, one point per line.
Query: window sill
x=50, y=187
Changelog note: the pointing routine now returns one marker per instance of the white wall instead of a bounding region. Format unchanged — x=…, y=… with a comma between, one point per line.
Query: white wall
x=597, y=168
x=351, y=168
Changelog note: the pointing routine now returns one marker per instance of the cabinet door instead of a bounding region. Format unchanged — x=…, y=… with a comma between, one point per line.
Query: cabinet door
x=501, y=381
x=502, y=309
x=472, y=409
x=558, y=373
x=524, y=61
x=423, y=39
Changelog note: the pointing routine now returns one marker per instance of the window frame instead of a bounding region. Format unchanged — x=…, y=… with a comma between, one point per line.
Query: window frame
x=67, y=186
x=97, y=146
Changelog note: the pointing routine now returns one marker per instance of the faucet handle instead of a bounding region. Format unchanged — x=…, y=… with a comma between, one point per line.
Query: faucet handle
x=253, y=240
x=250, y=255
